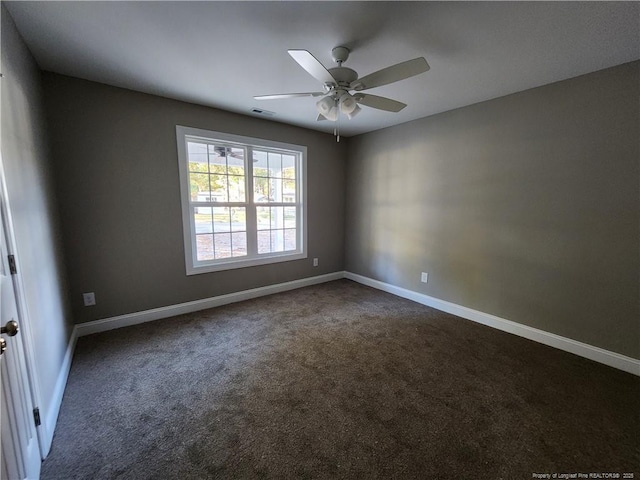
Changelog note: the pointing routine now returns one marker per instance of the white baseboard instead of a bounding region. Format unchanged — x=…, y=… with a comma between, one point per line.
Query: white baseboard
x=591, y=352
x=188, y=307
x=53, y=409
x=616, y=360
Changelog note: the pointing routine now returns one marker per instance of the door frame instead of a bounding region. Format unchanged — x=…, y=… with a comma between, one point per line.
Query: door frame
x=26, y=336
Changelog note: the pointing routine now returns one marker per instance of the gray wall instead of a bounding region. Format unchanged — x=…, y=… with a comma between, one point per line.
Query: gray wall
x=116, y=168
x=525, y=207
x=26, y=164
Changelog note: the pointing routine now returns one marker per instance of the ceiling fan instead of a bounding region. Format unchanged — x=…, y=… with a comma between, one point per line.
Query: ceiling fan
x=339, y=81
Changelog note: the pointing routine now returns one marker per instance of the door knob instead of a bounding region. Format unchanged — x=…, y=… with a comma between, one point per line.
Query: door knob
x=11, y=328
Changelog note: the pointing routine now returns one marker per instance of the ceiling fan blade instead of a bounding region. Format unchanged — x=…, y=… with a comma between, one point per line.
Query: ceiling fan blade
x=312, y=65
x=288, y=95
x=381, y=103
x=392, y=74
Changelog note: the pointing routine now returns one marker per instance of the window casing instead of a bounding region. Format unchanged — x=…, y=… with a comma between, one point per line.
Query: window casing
x=243, y=200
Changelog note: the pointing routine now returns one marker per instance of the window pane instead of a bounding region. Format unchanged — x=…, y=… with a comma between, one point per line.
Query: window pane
x=277, y=240
x=235, y=162
x=236, y=188
x=204, y=247
x=239, y=240
x=289, y=217
x=289, y=191
x=275, y=190
x=264, y=241
x=217, y=159
x=260, y=190
x=221, y=219
x=219, y=188
x=198, y=167
x=290, y=239
x=260, y=163
x=237, y=152
x=220, y=169
x=288, y=166
x=239, y=219
x=197, y=153
x=277, y=217
x=275, y=164
x=263, y=216
x=199, y=182
x=202, y=218
x=222, y=245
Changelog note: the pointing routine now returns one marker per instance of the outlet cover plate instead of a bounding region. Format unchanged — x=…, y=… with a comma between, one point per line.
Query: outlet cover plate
x=89, y=299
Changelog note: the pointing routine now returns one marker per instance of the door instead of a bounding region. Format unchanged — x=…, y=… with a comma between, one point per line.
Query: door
x=19, y=452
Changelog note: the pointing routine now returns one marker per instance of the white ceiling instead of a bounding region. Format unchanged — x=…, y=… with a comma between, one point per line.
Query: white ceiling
x=221, y=54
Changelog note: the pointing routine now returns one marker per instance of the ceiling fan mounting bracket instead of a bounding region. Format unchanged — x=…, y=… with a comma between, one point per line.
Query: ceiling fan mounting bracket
x=340, y=54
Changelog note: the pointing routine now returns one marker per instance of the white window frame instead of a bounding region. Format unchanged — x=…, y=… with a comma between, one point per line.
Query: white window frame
x=193, y=266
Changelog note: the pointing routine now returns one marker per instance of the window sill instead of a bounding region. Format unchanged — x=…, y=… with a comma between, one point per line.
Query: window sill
x=252, y=262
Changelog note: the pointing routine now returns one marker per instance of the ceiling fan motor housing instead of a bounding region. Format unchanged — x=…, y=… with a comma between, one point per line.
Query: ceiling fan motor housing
x=343, y=75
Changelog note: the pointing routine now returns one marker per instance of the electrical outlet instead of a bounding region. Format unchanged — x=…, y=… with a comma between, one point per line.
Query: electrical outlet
x=89, y=299
x=424, y=278
x=315, y=262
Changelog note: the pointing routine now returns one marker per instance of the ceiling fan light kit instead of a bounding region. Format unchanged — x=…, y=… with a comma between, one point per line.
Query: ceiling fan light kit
x=337, y=82
x=327, y=108
x=347, y=103
x=354, y=112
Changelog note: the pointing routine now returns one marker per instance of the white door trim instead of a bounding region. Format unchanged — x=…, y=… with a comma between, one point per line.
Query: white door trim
x=25, y=326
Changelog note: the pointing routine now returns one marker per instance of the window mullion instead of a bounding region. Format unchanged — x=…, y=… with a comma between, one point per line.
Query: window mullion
x=194, y=236
x=251, y=215
x=213, y=236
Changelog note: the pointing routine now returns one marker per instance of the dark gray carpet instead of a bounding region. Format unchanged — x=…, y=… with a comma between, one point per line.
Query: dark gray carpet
x=337, y=381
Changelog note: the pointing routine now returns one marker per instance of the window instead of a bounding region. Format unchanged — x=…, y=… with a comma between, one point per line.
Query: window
x=242, y=200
